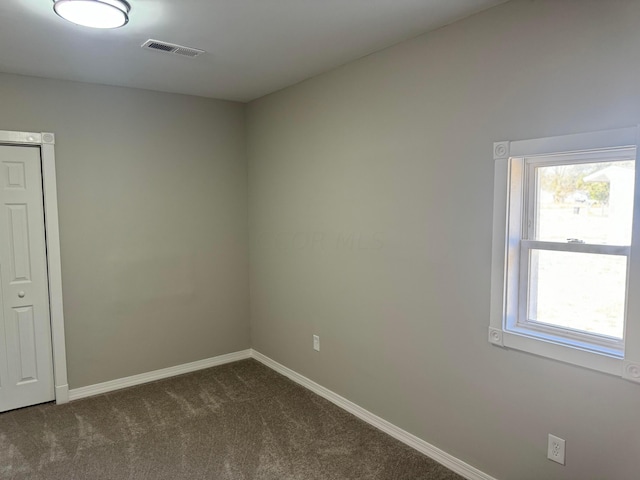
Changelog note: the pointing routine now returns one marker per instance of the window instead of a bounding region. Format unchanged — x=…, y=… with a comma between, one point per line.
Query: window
x=563, y=251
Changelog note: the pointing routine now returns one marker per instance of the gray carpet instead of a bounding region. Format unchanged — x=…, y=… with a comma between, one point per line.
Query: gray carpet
x=236, y=421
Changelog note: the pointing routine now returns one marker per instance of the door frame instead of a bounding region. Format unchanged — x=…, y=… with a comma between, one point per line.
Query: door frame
x=46, y=141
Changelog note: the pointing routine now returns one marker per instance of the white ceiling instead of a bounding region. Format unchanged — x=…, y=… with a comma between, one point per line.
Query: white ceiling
x=254, y=47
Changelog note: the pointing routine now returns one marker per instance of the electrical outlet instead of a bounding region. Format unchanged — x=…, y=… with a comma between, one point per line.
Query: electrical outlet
x=316, y=343
x=555, y=449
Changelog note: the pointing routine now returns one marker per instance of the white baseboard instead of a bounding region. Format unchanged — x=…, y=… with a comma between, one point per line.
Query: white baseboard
x=98, y=388
x=449, y=461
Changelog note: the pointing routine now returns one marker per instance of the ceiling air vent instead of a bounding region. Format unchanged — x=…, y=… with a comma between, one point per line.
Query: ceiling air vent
x=172, y=48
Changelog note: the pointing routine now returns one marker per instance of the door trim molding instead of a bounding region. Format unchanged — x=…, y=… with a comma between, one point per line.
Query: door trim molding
x=46, y=141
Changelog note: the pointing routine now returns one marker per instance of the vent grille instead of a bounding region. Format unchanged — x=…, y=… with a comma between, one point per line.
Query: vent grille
x=160, y=46
x=171, y=48
x=187, y=52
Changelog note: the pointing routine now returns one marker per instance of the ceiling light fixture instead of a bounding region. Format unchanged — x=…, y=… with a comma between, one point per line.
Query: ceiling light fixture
x=94, y=13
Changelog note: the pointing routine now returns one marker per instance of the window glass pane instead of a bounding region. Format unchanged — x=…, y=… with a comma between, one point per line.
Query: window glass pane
x=581, y=291
x=585, y=203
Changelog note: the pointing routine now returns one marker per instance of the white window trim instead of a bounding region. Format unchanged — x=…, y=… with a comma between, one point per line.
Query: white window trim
x=626, y=364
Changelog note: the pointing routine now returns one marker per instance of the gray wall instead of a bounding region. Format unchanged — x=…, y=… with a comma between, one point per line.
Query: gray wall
x=370, y=200
x=152, y=198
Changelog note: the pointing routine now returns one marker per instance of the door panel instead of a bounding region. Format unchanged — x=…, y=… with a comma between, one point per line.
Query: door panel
x=15, y=175
x=26, y=366
x=26, y=333
x=19, y=243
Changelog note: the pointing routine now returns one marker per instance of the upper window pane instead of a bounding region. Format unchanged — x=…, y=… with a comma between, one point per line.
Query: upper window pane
x=584, y=202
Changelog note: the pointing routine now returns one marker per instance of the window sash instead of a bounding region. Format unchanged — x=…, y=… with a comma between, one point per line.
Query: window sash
x=529, y=187
x=522, y=324
x=576, y=247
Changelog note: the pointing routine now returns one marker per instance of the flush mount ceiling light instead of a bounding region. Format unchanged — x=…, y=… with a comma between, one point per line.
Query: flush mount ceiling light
x=94, y=13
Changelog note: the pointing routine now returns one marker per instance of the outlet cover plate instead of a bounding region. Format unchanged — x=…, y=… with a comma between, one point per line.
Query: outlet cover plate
x=316, y=343
x=555, y=449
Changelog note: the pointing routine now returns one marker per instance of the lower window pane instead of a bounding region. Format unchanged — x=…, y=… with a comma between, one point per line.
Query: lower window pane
x=581, y=291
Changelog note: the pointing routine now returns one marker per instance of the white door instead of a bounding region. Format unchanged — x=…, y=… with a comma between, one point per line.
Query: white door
x=26, y=366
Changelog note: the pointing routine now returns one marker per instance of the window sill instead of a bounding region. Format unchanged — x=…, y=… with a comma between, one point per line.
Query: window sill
x=565, y=353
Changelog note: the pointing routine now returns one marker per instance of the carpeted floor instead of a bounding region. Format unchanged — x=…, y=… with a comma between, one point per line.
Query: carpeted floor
x=238, y=421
